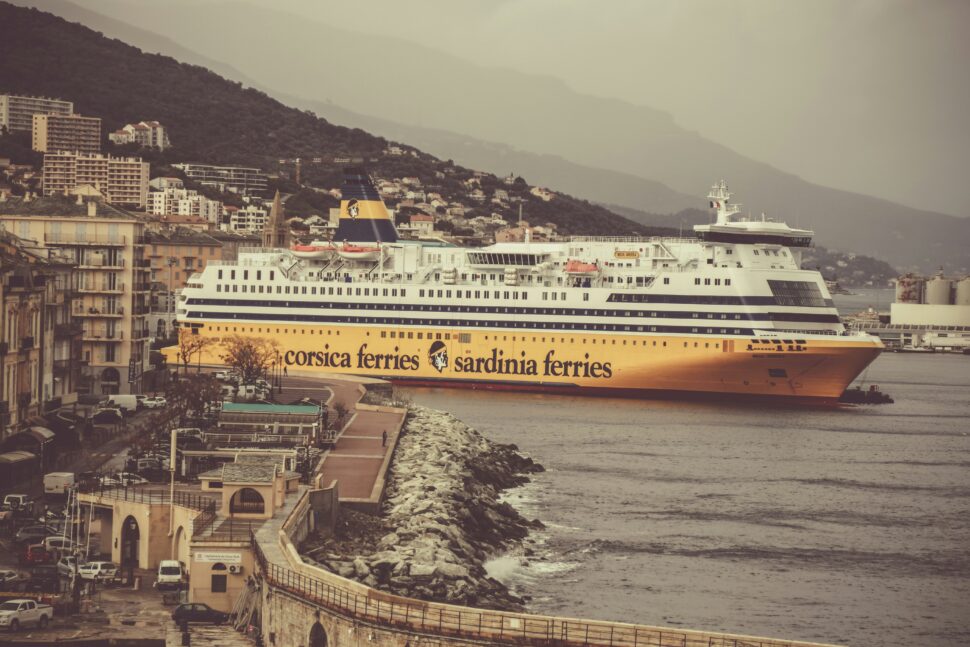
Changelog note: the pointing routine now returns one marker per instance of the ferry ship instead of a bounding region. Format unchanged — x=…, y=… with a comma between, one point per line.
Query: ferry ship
x=728, y=312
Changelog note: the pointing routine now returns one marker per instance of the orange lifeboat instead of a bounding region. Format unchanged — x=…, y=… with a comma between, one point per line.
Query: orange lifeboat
x=358, y=252
x=579, y=267
x=315, y=250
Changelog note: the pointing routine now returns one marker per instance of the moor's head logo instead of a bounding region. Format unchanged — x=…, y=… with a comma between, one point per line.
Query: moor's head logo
x=438, y=356
x=353, y=208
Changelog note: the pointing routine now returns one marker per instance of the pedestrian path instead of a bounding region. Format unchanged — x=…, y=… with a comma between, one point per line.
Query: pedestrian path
x=359, y=459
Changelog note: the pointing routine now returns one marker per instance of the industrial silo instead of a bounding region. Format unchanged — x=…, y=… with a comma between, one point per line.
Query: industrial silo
x=909, y=289
x=963, y=292
x=938, y=290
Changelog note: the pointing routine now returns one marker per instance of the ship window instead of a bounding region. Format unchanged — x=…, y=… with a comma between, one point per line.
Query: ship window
x=232, y=275
x=777, y=372
x=697, y=281
x=727, y=281
x=707, y=281
x=666, y=281
x=729, y=250
x=218, y=288
x=755, y=252
x=420, y=293
x=245, y=275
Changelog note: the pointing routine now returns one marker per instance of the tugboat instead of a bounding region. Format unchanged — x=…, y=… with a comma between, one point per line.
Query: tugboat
x=856, y=395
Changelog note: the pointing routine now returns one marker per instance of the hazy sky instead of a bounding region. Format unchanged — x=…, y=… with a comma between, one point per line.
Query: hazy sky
x=871, y=96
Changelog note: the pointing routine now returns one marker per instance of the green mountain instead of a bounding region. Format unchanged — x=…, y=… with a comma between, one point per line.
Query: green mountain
x=212, y=119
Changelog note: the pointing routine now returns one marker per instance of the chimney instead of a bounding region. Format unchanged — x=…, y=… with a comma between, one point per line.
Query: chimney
x=92, y=209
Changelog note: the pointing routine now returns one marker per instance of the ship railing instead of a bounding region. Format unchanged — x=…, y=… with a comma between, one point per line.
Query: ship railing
x=633, y=239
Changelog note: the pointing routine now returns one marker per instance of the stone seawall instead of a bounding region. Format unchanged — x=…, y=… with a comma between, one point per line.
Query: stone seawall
x=442, y=518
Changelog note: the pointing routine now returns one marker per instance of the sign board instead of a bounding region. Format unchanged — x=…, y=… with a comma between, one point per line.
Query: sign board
x=622, y=253
x=211, y=557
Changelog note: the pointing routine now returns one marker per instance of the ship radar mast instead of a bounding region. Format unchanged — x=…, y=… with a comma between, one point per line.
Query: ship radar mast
x=720, y=199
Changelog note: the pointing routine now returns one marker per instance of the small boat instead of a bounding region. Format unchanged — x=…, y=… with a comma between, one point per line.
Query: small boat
x=313, y=250
x=579, y=267
x=359, y=252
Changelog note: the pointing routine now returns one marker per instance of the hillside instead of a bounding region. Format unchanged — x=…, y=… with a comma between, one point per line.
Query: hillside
x=457, y=116
x=215, y=120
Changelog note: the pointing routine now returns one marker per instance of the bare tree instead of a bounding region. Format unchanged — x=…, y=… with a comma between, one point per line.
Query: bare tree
x=191, y=344
x=193, y=394
x=251, y=357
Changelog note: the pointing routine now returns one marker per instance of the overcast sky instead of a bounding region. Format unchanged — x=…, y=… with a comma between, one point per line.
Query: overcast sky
x=871, y=96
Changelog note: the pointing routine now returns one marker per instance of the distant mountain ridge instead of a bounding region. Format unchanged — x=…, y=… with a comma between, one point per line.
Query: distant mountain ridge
x=211, y=119
x=555, y=136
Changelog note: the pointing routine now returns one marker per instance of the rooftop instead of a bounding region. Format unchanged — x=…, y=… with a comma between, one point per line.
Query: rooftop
x=243, y=473
x=60, y=205
x=179, y=236
x=259, y=407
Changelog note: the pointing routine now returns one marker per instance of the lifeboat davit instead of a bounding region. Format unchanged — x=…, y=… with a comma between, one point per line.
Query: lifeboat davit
x=578, y=267
x=359, y=252
x=314, y=250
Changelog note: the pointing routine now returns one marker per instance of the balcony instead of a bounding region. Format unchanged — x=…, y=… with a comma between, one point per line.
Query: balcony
x=102, y=288
x=141, y=287
x=96, y=313
x=102, y=335
x=85, y=239
x=114, y=266
x=67, y=330
x=62, y=366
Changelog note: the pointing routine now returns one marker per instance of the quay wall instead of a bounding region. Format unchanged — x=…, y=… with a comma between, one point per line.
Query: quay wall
x=312, y=607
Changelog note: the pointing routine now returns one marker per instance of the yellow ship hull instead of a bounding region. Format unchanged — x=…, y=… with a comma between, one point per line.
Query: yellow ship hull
x=815, y=369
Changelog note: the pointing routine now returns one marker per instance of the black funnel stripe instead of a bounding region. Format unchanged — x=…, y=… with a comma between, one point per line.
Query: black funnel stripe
x=358, y=186
x=365, y=230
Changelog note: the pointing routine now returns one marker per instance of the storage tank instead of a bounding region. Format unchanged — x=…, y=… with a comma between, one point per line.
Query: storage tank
x=909, y=289
x=938, y=290
x=963, y=292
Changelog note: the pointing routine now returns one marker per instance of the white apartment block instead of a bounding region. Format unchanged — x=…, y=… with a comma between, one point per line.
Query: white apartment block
x=184, y=202
x=121, y=180
x=149, y=134
x=237, y=179
x=248, y=219
x=17, y=112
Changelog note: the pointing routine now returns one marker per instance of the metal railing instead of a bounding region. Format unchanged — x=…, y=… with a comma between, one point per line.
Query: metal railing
x=84, y=239
x=364, y=604
x=189, y=500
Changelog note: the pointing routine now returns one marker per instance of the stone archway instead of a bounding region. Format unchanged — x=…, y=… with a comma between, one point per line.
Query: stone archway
x=247, y=501
x=318, y=637
x=130, y=538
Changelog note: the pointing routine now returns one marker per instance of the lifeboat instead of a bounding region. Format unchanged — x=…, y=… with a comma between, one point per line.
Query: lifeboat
x=578, y=267
x=314, y=250
x=359, y=252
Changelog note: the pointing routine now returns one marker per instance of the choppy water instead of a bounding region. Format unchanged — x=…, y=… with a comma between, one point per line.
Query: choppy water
x=847, y=525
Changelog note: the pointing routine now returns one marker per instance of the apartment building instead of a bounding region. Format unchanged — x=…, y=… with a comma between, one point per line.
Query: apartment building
x=70, y=133
x=184, y=202
x=236, y=179
x=149, y=134
x=249, y=218
x=17, y=112
x=122, y=181
x=109, y=288
x=174, y=256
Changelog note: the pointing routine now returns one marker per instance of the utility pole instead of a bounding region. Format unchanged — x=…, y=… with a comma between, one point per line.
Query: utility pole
x=170, y=298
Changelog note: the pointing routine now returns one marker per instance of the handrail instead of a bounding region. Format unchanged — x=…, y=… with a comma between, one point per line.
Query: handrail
x=495, y=627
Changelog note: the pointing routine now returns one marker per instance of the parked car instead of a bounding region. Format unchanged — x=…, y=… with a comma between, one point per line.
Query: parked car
x=222, y=376
x=97, y=570
x=15, y=614
x=197, y=612
x=8, y=575
x=34, y=534
x=67, y=565
x=58, y=543
x=37, y=554
x=18, y=502
x=154, y=403
x=169, y=575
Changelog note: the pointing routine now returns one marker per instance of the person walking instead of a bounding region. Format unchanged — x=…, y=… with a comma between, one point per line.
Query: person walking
x=384, y=438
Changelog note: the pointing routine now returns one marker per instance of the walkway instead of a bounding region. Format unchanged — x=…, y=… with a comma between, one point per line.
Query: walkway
x=359, y=459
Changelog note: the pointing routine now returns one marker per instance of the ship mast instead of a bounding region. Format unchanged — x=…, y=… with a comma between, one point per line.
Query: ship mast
x=720, y=199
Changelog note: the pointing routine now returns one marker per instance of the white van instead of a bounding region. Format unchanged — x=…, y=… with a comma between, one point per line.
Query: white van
x=127, y=403
x=169, y=575
x=58, y=483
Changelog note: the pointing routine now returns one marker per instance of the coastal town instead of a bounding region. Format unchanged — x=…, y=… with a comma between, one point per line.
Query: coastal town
x=281, y=370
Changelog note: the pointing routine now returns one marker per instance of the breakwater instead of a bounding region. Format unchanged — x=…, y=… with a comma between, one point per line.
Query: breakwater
x=442, y=518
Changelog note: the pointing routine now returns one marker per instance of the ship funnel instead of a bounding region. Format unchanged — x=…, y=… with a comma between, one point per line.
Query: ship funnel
x=363, y=216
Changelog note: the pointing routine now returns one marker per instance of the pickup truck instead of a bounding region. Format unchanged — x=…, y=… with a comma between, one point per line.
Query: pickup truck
x=15, y=614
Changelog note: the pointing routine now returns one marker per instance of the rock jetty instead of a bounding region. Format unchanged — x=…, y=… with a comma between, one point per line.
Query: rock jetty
x=442, y=519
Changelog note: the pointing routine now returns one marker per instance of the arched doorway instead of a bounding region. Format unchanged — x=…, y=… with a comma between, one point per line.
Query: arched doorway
x=130, y=537
x=318, y=637
x=247, y=501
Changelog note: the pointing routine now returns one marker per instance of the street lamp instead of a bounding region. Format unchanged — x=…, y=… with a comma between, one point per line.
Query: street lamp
x=170, y=306
x=279, y=371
